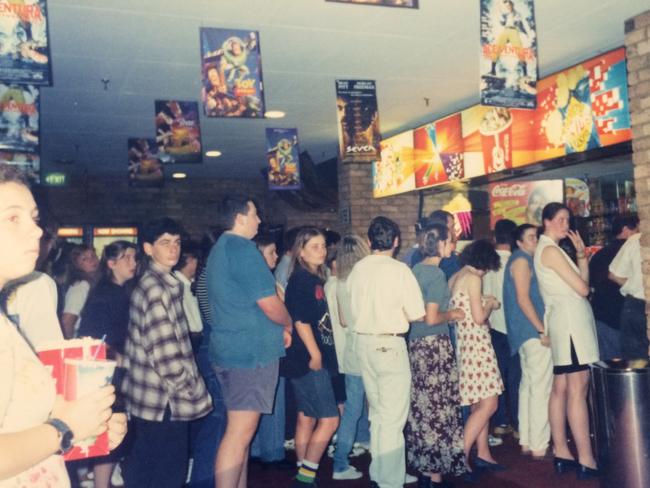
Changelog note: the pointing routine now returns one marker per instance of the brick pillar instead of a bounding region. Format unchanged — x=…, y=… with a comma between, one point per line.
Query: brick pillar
x=357, y=203
x=637, y=42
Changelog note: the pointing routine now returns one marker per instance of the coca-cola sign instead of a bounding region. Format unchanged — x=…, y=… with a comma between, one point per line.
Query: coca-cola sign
x=509, y=190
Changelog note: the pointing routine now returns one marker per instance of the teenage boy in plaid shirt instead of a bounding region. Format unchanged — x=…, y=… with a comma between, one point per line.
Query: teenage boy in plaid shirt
x=162, y=387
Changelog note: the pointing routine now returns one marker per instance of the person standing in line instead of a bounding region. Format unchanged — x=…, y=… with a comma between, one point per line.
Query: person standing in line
x=570, y=324
x=84, y=274
x=185, y=270
x=282, y=270
x=524, y=313
x=384, y=297
x=250, y=332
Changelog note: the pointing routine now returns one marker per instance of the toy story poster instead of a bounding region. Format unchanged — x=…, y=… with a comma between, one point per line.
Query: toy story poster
x=145, y=167
x=28, y=163
x=394, y=171
x=19, y=118
x=283, y=159
x=358, y=120
x=508, y=54
x=523, y=201
x=231, y=70
x=24, y=46
x=383, y=3
x=178, y=132
x=438, y=152
x=584, y=107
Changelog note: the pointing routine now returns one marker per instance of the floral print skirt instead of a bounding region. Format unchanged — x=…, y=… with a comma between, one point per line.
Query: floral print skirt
x=434, y=430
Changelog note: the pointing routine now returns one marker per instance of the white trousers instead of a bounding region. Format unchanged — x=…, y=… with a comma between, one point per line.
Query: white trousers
x=386, y=377
x=534, y=394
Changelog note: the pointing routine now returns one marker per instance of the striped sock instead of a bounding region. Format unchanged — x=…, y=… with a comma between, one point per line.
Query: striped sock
x=307, y=472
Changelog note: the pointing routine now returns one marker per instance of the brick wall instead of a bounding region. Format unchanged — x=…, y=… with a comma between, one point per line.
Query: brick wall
x=637, y=42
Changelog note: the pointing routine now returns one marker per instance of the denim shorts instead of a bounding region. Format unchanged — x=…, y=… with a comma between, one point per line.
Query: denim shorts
x=315, y=394
x=251, y=389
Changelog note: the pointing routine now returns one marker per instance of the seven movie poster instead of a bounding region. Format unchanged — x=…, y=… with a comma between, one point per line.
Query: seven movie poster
x=178, y=133
x=231, y=65
x=19, y=124
x=283, y=157
x=145, y=168
x=508, y=53
x=523, y=202
x=24, y=46
x=358, y=120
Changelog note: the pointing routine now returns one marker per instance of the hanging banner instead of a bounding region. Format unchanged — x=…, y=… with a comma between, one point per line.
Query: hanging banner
x=394, y=171
x=358, y=120
x=24, y=45
x=145, y=168
x=523, y=202
x=28, y=163
x=508, y=54
x=438, y=152
x=231, y=67
x=178, y=133
x=19, y=118
x=383, y=3
x=283, y=157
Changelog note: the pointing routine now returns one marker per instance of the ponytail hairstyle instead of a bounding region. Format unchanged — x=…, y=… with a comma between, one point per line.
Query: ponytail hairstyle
x=430, y=238
x=112, y=252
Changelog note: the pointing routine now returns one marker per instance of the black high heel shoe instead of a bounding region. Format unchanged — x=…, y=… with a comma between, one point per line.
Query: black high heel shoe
x=487, y=465
x=585, y=473
x=563, y=465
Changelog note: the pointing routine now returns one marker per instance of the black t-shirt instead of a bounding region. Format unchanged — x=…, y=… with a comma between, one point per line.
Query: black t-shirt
x=606, y=299
x=305, y=301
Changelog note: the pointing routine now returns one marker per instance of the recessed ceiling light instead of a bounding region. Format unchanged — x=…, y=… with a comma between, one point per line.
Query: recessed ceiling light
x=213, y=154
x=179, y=176
x=274, y=114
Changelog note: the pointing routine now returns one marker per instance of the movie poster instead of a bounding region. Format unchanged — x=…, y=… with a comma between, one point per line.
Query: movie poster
x=24, y=46
x=19, y=124
x=358, y=120
x=145, y=168
x=283, y=157
x=178, y=133
x=28, y=163
x=523, y=201
x=438, y=152
x=584, y=107
x=577, y=196
x=231, y=66
x=508, y=54
x=383, y=3
x=394, y=171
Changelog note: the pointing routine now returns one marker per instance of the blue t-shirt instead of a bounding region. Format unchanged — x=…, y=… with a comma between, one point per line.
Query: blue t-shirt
x=242, y=335
x=433, y=284
x=520, y=329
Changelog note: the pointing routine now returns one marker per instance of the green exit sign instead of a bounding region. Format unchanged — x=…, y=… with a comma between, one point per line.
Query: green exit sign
x=55, y=179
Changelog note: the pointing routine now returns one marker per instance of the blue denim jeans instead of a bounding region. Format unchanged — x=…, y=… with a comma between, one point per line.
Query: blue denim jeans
x=268, y=443
x=354, y=422
x=510, y=368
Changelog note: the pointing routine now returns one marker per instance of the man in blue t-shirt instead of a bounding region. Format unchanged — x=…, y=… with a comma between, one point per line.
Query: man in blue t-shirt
x=251, y=329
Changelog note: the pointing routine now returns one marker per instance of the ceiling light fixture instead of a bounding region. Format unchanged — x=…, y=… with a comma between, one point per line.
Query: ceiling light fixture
x=274, y=114
x=179, y=176
x=213, y=154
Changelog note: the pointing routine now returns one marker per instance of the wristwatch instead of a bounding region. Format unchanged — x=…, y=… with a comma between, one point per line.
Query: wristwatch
x=65, y=435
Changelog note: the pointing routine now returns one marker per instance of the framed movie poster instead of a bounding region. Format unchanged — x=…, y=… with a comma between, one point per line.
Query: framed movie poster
x=28, y=163
x=24, y=44
x=358, y=120
x=178, y=132
x=231, y=72
x=145, y=167
x=283, y=158
x=19, y=124
x=508, y=54
x=382, y=3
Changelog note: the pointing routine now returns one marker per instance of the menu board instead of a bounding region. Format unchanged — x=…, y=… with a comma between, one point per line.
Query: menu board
x=438, y=152
x=394, y=172
x=523, y=201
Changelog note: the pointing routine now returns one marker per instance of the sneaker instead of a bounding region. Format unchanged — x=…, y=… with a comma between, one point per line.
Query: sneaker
x=290, y=444
x=351, y=473
x=330, y=450
x=503, y=429
x=494, y=441
x=357, y=451
x=408, y=479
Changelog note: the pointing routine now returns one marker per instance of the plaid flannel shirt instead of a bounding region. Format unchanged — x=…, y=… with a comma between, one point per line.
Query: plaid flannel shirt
x=158, y=358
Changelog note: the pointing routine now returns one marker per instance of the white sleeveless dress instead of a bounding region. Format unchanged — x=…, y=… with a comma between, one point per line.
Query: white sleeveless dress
x=568, y=316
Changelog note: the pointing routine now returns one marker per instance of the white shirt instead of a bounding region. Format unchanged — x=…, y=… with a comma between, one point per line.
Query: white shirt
x=190, y=304
x=331, y=286
x=493, y=285
x=384, y=296
x=627, y=264
x=33, y=307
x=75, y=299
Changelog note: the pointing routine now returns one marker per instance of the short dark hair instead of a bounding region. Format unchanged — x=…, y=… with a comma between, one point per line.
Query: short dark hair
x=519, y=232
x=152, y=231
x=481, y=255
x=440, y=217
x=621, y=221
x=331, y=237
x=430, y=237
x=289, y=238
x=382, y=233
x=264, y=240
x=230, y=207
x=189, y=249
x=503, y=230
x=421, y=224
x=551, y=210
